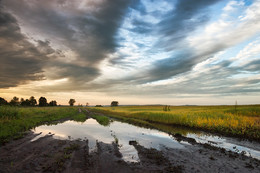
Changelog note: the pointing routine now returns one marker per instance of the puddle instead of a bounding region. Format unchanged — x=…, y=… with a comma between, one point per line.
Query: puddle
x=251, y=149
x=92, y=130
x=149, y=138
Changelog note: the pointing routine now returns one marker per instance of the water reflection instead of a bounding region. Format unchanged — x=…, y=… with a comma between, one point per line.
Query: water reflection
x=149, y=138
x=229, y=144
x=124, y=132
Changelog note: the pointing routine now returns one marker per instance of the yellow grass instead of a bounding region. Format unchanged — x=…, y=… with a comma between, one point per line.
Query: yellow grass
x=242, y=121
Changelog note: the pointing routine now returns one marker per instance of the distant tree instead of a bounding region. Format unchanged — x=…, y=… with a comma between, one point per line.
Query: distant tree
x=25, y=102
x=3, y=101
x=14, y=101
x=53, y=103
x=114, y=103
x=43, y=101
x=87, y=104
x=98, y=106
x=71, y=102
x=33, y=101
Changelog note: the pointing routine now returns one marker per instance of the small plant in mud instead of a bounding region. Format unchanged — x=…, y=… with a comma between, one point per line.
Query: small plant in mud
x=67, y=151
x=116, y=139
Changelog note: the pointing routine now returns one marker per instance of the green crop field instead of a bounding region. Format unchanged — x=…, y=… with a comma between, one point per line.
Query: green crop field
x=15, y=120
x=240, y=121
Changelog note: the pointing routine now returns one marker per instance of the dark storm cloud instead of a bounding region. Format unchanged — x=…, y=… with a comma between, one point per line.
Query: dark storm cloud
x=90, y=32
x=86, y=28
x=75, y=73
x=20, y=60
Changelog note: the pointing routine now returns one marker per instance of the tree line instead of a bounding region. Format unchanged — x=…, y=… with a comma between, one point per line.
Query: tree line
x=15, y=101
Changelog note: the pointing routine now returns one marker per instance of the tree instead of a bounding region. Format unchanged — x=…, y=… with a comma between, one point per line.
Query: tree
x=71, y=102
x=14, y=101
x=43, y=101
x=25, y=102
x=33, y=101
x=114, y=103
x=3, y=101
x=53, y=103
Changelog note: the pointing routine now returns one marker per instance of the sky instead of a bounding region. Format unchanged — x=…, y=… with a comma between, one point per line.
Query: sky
x=175, y=52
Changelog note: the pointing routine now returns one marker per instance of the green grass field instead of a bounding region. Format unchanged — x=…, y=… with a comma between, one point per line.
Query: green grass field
x=240, y=121
x=15, y=120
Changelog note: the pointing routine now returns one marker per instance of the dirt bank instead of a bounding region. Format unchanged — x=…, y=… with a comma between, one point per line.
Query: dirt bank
x=51, y=155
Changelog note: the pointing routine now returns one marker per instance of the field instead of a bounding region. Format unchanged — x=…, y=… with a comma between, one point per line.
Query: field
x=240, y=121
x=43, y=150
x=15, y=120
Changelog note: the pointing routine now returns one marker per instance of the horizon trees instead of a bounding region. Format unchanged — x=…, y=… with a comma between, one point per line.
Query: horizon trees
x=25, y=102
x=114, y=103
x=53, y=103
x=15, y=101
x=33, y=101
x=43, y=101
x=3, y=101
x=28, y=102
x=71, y=102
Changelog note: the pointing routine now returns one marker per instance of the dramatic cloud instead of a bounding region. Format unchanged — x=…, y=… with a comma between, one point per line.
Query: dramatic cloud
x=216, y=37
x=186, y=16
x=164, y=49
x=20, y=60
x=85, y=31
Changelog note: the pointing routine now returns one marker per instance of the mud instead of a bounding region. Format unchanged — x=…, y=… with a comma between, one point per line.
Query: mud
x=52, y=155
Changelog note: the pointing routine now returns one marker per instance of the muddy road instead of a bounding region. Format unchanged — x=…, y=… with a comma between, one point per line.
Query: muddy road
x=120, y=147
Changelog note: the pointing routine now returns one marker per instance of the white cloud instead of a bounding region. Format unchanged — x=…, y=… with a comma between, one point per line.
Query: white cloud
x=232, y=6
x=225, y=33
x=248, y=54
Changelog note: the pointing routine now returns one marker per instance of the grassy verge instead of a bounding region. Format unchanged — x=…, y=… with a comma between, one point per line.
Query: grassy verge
x=14, y=120
x=240, y=121
x=103, y=120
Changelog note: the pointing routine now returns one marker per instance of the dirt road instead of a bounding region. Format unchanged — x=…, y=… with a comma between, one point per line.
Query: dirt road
x=52, y=155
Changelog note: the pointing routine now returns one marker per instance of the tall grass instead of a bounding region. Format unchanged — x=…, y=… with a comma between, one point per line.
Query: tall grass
x=244, y=121
x=8, y=112
x=14, y=120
